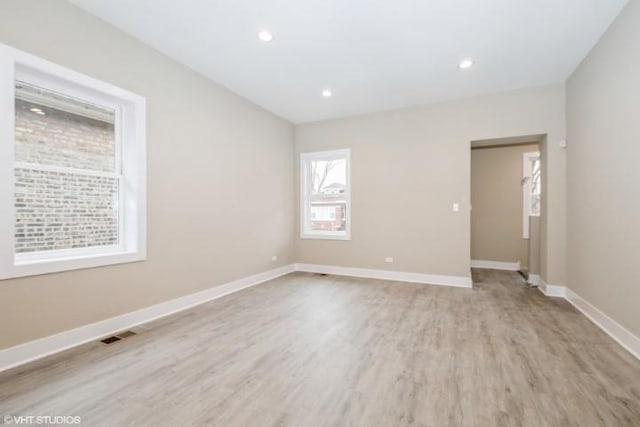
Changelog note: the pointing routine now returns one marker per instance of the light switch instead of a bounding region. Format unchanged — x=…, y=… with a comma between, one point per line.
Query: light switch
x=456, y=207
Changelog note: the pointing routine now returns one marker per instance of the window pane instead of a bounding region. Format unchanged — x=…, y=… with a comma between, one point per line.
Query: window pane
x=59, y=131
x=328, y=195
x=536, y=187
x=57, y=210
x=57, y=205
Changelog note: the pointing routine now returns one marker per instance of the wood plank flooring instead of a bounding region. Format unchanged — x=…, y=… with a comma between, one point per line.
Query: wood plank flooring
x=312, y=350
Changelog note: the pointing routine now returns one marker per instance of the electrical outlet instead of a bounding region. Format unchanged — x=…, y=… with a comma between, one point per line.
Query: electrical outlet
x=456, y=207
x=388, y=259
x=274, y=258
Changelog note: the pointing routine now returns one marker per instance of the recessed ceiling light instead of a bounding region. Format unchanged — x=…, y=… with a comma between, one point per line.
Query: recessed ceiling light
x=465, y=63
x=327, y=93
x=265, y=36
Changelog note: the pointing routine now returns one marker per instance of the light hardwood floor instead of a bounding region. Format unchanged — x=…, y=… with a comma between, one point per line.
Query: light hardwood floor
x=312, y=350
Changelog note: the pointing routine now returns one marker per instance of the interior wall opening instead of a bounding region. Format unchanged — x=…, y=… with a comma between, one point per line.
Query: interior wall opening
x=506, y=204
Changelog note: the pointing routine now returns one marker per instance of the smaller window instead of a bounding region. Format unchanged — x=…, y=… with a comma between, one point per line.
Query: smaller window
x=531, y=189
x=325, y=195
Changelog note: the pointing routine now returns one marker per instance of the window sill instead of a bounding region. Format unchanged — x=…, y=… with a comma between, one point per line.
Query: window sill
x=33, y=267
x=325, y=237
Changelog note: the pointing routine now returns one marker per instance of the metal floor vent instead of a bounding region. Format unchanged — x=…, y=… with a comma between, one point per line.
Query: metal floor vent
x=117, y=337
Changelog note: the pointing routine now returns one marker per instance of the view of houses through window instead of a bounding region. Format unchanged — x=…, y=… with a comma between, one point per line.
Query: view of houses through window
x=328, y=198
x=325, y=194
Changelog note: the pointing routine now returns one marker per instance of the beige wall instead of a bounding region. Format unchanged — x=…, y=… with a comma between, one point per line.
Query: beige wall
x=603, y=178
x=496, y=197
x=220, y=179
x=409, y=166
x=214, y=157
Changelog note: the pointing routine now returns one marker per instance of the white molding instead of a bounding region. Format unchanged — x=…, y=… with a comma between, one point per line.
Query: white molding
x=43, y=347
x=551, y=290
x=616, y=331
x=431, y=279
x=37, y=349
x=534, y=279
x=495, y=265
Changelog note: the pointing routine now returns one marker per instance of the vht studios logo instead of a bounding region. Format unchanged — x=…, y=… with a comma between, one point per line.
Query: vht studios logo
x=41, y=419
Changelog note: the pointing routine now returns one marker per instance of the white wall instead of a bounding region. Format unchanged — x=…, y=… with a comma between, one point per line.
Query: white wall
x=603, y=179
x=410, y=165
x=220, y=179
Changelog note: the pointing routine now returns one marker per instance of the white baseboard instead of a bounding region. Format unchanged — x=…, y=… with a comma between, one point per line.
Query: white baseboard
x=431, y=279
x=616, y=331
x=551, y=290
x=37, y=349
x=495, y=265
x=534, y=279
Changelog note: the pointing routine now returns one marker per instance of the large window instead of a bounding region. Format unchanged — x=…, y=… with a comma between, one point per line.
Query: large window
x=73, y=170
x=325, y=195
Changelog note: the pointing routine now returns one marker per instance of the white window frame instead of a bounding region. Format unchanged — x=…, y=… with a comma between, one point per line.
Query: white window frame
x=305, y=197
x=131, y=156
x=527, y=160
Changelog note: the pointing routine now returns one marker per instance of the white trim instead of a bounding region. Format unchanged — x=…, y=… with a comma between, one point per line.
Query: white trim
x=533, y=279
x=326, y=235
x=37, y=349
x=400, y=276
x=495, y=265
x=551, y=290
x=616, y=331
x=305, y=176
x=37, y=66
x=7, y=177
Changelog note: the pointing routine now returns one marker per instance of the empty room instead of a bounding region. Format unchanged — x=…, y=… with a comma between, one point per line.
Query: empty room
x=320, y=213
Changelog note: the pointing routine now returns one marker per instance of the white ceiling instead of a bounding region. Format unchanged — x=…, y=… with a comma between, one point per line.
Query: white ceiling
x=374, y=54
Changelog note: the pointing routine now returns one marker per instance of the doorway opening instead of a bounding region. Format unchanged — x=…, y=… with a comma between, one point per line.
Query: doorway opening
x=506, y=201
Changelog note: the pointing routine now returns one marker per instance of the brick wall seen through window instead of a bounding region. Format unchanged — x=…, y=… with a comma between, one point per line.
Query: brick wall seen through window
x=66, y=188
